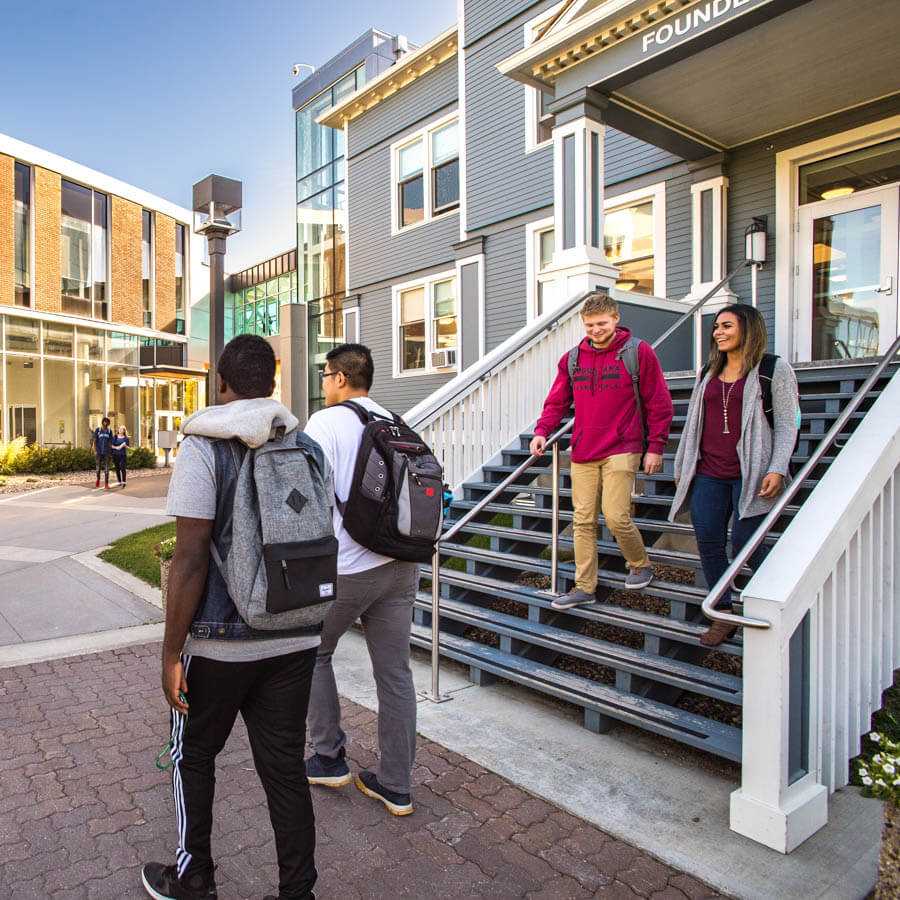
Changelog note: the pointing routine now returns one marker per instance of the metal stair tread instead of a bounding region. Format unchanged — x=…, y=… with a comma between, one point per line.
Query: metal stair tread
x=698, y=731
x=654, y=667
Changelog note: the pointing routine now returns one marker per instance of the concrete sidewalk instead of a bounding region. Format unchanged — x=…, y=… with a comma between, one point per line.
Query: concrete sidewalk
x=48, y=587
x=83, y=806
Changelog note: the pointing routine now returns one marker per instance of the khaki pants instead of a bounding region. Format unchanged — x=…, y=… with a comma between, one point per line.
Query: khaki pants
x=607, y=484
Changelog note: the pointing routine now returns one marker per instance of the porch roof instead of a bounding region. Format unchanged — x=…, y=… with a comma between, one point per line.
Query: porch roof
x=717, y=70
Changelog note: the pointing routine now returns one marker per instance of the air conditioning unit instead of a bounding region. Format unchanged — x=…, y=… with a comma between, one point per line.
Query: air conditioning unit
x=442, y=358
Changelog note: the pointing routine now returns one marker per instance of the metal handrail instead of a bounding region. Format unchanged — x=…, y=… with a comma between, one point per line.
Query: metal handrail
x=742, y=557
x=552, y=444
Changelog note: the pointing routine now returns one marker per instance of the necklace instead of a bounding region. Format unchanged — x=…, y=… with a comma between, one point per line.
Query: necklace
x=725, y=400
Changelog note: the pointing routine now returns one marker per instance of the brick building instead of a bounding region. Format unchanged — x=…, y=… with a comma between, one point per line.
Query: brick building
x=95, y=298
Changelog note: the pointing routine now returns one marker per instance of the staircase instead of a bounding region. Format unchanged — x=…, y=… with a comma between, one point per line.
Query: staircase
x=632, y=658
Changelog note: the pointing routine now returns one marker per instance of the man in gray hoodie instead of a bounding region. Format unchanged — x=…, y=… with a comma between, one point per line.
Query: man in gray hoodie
x=213, y=665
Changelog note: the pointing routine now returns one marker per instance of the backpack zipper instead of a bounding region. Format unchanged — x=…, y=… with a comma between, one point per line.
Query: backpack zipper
x=284, y=574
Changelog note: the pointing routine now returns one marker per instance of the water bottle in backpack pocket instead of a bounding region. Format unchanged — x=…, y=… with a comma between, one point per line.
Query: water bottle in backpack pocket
x=281, y=571
x=395, y=505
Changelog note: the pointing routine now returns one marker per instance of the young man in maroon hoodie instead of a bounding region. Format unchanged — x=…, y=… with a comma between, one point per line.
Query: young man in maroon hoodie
x=608, y=440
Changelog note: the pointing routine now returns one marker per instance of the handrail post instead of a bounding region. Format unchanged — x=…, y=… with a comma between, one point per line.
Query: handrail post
x=554, y=525
x=434, y=695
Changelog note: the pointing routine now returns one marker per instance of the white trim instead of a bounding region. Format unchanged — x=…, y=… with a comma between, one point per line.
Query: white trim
x=347, y=312
x=422, y=134
x=787, y=165
x=532, y=99
x=427, y=284
x=719, y=186
x=346, y=212
x=461, y=89
x=532, y=261
x=72, y=171
x=656, y=193
x=461, y=324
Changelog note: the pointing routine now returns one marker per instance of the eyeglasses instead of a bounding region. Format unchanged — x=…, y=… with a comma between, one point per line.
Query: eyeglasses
x=323, y=374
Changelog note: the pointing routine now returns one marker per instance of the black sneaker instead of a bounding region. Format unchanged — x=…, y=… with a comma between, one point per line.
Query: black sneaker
x=397, y=804
x=328, y=771
x=162, y=883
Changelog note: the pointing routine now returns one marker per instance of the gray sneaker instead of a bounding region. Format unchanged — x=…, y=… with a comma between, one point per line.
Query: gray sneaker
x=638, y=579
x=575, y=597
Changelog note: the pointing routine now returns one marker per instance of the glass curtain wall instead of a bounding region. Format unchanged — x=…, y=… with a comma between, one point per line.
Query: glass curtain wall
x=147, y=266
x=322, y=224
x=179, y=278
x=255, y=309
x=84, y=251
x=22, y=251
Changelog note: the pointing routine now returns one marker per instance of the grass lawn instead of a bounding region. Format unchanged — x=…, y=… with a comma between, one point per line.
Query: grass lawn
x=134, y=552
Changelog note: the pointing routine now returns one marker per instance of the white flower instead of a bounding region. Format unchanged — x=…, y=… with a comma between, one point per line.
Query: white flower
x=880, y=782
x=876, y=758
x=889, y=768
x=897, y=782
x=875, y=736
x=867, y=781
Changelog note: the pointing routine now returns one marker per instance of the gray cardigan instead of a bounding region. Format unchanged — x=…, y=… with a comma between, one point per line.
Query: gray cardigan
x=759, y=450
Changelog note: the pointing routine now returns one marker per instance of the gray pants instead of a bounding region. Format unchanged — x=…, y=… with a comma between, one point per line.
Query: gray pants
x=383, y=599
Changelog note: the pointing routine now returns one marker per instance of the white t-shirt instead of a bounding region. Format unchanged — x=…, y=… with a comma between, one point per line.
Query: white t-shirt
x=338, y=431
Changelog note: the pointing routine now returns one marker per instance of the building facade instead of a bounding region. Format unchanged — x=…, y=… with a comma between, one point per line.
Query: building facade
x=95, y=299
x=537, y=149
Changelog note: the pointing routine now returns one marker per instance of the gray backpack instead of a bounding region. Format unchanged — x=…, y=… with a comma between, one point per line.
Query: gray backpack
x=281, y=571
x=628, y=354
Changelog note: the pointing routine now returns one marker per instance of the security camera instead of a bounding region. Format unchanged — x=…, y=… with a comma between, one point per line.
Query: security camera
x=297, y=69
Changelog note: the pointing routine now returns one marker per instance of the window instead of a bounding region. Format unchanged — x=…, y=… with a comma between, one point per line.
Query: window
x=84, y=251
x=542, y=289
x=426, y=175
x=179, y=278
x=539, y=121
x=147, y=266
x=708, y=214
x=634, y=240
x=425, y=315
x=22, y=216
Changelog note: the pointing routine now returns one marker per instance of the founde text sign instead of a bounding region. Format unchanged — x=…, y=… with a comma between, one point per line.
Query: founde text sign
x=691, y=20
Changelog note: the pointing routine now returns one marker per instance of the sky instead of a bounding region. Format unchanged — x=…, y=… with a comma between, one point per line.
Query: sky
x=161, y=94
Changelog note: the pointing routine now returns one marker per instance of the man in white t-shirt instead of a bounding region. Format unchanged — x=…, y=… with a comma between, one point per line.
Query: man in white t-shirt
x=373, y=588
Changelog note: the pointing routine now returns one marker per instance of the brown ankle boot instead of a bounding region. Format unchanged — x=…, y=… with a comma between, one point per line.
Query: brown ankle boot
x=717, y=633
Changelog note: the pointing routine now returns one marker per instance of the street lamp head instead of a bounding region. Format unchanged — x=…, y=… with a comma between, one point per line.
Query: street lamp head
x=217, y=206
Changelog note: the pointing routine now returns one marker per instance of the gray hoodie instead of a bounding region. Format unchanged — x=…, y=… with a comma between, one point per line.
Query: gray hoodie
x=760, y=451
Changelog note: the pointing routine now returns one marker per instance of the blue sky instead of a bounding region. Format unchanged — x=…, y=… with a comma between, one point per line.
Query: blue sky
x=160, y=94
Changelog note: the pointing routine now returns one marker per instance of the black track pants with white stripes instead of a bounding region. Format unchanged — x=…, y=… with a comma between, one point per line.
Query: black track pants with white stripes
x=272, y=696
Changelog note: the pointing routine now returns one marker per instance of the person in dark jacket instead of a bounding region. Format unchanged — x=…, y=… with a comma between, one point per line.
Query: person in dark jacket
x=119, y=445
x=101, y=444
x=608, y=441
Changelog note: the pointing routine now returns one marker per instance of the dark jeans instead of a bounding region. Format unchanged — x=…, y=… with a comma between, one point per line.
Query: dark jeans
x=714, y=501
x=103, y=464
x=119, y=460
x=272, y=696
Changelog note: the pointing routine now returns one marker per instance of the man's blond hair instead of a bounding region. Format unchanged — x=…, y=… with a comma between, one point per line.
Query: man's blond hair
x=599, y=302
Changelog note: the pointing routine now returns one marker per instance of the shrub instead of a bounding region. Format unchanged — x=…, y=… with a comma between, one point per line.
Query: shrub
x=880, y=773
x=17, y=458
x=165, y=549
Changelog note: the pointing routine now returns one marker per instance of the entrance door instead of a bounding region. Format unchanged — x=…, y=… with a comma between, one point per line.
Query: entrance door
x=847, y=287
x=23, y=423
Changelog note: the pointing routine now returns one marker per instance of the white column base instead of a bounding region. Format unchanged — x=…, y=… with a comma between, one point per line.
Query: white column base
x=584, y=275
x=783, y=828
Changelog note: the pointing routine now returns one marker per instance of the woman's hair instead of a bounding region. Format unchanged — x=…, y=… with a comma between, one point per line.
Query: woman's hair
x=122, y=428
x=754, y=339
x=104, y=421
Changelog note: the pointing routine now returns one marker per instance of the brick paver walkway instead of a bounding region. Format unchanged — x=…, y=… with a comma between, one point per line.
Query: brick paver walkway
x=82, y=806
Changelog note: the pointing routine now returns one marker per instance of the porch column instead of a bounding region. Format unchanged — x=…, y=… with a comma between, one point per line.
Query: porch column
x=578, y=191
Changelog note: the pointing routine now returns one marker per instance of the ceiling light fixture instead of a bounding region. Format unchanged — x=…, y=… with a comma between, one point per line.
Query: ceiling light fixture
x=845, y=190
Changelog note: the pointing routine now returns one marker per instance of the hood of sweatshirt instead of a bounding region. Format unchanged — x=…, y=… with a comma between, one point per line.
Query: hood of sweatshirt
x=250, y=421
x=615, y=345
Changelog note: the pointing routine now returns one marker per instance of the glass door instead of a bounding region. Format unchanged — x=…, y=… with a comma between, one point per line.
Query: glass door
x=23, y=423
x=847, y=287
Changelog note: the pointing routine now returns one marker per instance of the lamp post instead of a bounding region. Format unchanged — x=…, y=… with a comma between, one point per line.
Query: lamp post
x=217, y=214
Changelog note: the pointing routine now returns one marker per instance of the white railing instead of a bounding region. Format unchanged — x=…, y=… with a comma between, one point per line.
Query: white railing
x=830, y=590
x=474, y=416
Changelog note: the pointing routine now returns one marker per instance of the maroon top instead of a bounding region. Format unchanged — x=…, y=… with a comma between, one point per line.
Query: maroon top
x=718, y=451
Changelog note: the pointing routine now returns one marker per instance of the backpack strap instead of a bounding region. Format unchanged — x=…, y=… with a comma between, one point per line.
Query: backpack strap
x=629, y=356
x=238, y=452
x=766, y=372
x=572, y=363
x=365, y=415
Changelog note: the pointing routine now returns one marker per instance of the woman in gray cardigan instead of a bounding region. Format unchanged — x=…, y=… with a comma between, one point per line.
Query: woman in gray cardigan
x=730, y=464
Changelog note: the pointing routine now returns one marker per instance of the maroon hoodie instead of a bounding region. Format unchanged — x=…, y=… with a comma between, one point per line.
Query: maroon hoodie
x=606, y=417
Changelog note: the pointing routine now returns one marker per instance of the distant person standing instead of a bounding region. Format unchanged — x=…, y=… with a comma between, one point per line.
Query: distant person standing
x=101, y=444
x=120, y=444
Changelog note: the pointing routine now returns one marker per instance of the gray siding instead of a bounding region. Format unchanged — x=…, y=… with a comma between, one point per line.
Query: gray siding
x=483, y=16
x=412, y=106
x=397, y=394
x=752, y=193
x=375, y=255
x=678, y=237
x=502, y=180
x=504, y=285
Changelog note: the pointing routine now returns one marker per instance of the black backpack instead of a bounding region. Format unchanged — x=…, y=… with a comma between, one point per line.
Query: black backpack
x=396, y=499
